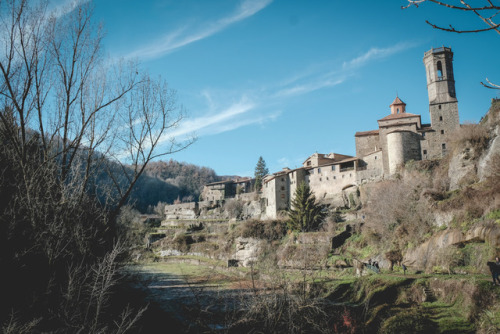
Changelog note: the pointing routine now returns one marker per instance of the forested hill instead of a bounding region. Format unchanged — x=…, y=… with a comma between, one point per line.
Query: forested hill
x=167, y=181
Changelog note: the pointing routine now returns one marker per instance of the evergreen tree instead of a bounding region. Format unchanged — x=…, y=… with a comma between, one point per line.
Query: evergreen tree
x=260, y=171
x=306, y=214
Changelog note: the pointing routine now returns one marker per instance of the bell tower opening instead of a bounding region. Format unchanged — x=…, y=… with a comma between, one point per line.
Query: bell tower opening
x=439, y=71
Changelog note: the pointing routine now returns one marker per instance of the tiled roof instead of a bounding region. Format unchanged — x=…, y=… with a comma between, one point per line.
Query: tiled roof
x=395, y=116
x=366, y=133
x=397, y=100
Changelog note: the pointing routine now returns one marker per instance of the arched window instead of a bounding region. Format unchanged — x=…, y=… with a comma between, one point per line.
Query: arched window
x=440, y=70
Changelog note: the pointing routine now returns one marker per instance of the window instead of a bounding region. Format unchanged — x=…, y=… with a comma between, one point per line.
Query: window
x=333, y=167
x=443, y=146
x=282, y=195
x=440, y=70
x=439, y=107
x=423, y=134
x=334, y=177
x=320, y=180
x=282, y=179
x=282, y=188
x=327, y=178
x=440, y=118
x=309, y=163
x=350, y=175
x=442, y=132
x=425, y=152
x=293, y=175
x=375, y=157
x=319, y=170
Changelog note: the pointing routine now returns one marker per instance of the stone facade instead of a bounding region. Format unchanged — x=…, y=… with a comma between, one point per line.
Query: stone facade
x=380, y=153
x=219, y=191
x=401, y=136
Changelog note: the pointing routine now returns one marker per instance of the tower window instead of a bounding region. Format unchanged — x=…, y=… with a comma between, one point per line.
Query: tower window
x=440, y=70
x=442, y=132
x=443, y=146
x=425, y=152
x=440, y=118
x=439, y=107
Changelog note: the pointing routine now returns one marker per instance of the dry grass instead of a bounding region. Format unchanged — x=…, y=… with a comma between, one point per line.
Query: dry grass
x=475, y=136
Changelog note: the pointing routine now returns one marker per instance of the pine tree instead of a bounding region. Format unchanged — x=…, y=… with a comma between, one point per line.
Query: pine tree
x=305, y=214
x=260, y=171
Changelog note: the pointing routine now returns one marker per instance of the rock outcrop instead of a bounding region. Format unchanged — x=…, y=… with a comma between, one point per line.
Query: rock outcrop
x=247, y=250
x=426, y=255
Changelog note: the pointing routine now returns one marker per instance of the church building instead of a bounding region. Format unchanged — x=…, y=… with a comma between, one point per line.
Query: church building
x=400, y=137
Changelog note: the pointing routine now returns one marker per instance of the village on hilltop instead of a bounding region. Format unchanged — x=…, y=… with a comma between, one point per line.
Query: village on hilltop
x=400, y=137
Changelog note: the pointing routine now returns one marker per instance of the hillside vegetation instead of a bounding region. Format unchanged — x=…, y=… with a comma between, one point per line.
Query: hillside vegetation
x=440, y=218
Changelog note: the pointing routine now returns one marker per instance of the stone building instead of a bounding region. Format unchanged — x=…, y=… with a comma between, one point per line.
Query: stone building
x=218, y=191
x=326, y=174
x=400, y=137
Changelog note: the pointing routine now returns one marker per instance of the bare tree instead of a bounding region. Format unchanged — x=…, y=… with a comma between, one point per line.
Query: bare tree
x=76, y=133
x=57, y=84
x=487, y=12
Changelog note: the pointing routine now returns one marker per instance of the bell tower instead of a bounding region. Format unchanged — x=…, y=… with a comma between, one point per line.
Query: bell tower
x=443, y=104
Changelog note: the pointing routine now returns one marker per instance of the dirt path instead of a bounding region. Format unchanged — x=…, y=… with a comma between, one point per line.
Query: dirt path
x=193, y=295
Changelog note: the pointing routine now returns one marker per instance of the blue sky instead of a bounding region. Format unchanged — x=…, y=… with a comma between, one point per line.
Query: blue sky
x=283, y=79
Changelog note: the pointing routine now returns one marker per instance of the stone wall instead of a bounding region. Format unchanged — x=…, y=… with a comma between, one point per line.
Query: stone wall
x=183, y=211
x=411, y=127
x=328, y=181
x=372, y=170
x=402, y=146
x=366, y=144
x=276, y=195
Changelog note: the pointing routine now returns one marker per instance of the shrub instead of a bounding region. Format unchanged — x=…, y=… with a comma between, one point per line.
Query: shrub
x=234, y=208
x=182, y=242
x=475, y=135
x=268, y=230
x=397, y=212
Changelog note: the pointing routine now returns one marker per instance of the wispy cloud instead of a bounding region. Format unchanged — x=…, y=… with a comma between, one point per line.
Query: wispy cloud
x=61, y=8
x=255, y=107
x=308, y=87
x=205, y=122
x=376, y=53
x=187, y=35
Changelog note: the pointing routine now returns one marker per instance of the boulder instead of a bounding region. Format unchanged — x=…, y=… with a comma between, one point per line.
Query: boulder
x=247, y=250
